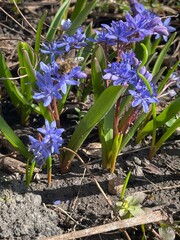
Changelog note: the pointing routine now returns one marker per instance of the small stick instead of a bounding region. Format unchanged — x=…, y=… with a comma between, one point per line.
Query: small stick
x=149, y=217
x=92, y=176
x=13, y=165
x=34, y=30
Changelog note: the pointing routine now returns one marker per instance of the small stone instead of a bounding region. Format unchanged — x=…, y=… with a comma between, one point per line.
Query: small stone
x=137, y=160
x=115, y=185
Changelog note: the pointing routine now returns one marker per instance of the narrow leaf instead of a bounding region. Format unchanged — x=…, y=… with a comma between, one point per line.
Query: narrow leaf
x=165, y=136
x=78, y=8
x=161, y=56
x=102, y=106
x=81, y=17
x=13, y=138
x=96, y=78
x=169, y=112
x=56, y=20
x=39, y=31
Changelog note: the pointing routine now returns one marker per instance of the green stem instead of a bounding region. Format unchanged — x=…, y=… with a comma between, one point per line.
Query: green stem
x=125, y=185
x=49, y=169
x=144, y=60
x=115, y=150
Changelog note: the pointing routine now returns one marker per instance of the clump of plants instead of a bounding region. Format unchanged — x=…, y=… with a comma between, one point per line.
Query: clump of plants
x=125, y=85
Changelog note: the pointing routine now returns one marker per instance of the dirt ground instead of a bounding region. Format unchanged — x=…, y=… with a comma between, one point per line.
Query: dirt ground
x=33, y=213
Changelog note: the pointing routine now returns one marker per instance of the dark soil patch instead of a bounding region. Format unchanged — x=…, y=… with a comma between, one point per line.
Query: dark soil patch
x=29, y=214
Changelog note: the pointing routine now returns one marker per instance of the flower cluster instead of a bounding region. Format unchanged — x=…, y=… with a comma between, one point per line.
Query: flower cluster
x=66, y=42
x=125, y=73
x=51, y=83
x=49, y=144
x=144, y=23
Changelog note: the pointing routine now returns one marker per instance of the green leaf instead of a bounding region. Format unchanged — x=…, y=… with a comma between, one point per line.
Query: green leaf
x=162, y=55
x=39, y=31
x=157, y=77
x=80, y=4
x=135, y=210
x=96, y=78
x=167, y=233
x=106, y=137
x=13, y=92
x=81, y=17
x=136, y=199
x=10, y=86
x=169, y=112
x=13, y=138
x=102, y=106
x=165, y=136
x=56, y=21
x=166, y=78
x=27, y=79
x=29, y=171
x=125, y=185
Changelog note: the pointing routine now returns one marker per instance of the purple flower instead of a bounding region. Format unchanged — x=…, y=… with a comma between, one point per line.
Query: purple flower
x=142, y=96
x=74, y=41
x=48, y=89
x=52, y=136
x=39, y=151
x=118, y=31
x=164, y=29
x=120, y=73
x=141, y=93
x=69, y=78
x=57, y=202
x=53, y=49
x=65, y=80
x=136, y=7
x=102, y=37
x=49, y=144
x=142, y=25
x=76, y=73
x=65, y=24
x=123, y=73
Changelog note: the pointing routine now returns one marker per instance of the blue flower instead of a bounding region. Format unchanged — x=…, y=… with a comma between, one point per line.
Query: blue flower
x=164, y=29
x=39, y=150
x=136, y=7
x=142, y=25
x=102, y=37
x=76, y=40
x=52, y=136
x=48, y=89
x=120, y=73
x=49, y=144
x=53, y=49
x=124, y=72
x=118, y=31
x=142, y=96
x=65, y=24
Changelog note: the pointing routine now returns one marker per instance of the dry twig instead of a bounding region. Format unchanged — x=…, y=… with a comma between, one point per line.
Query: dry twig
x=149, y=217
